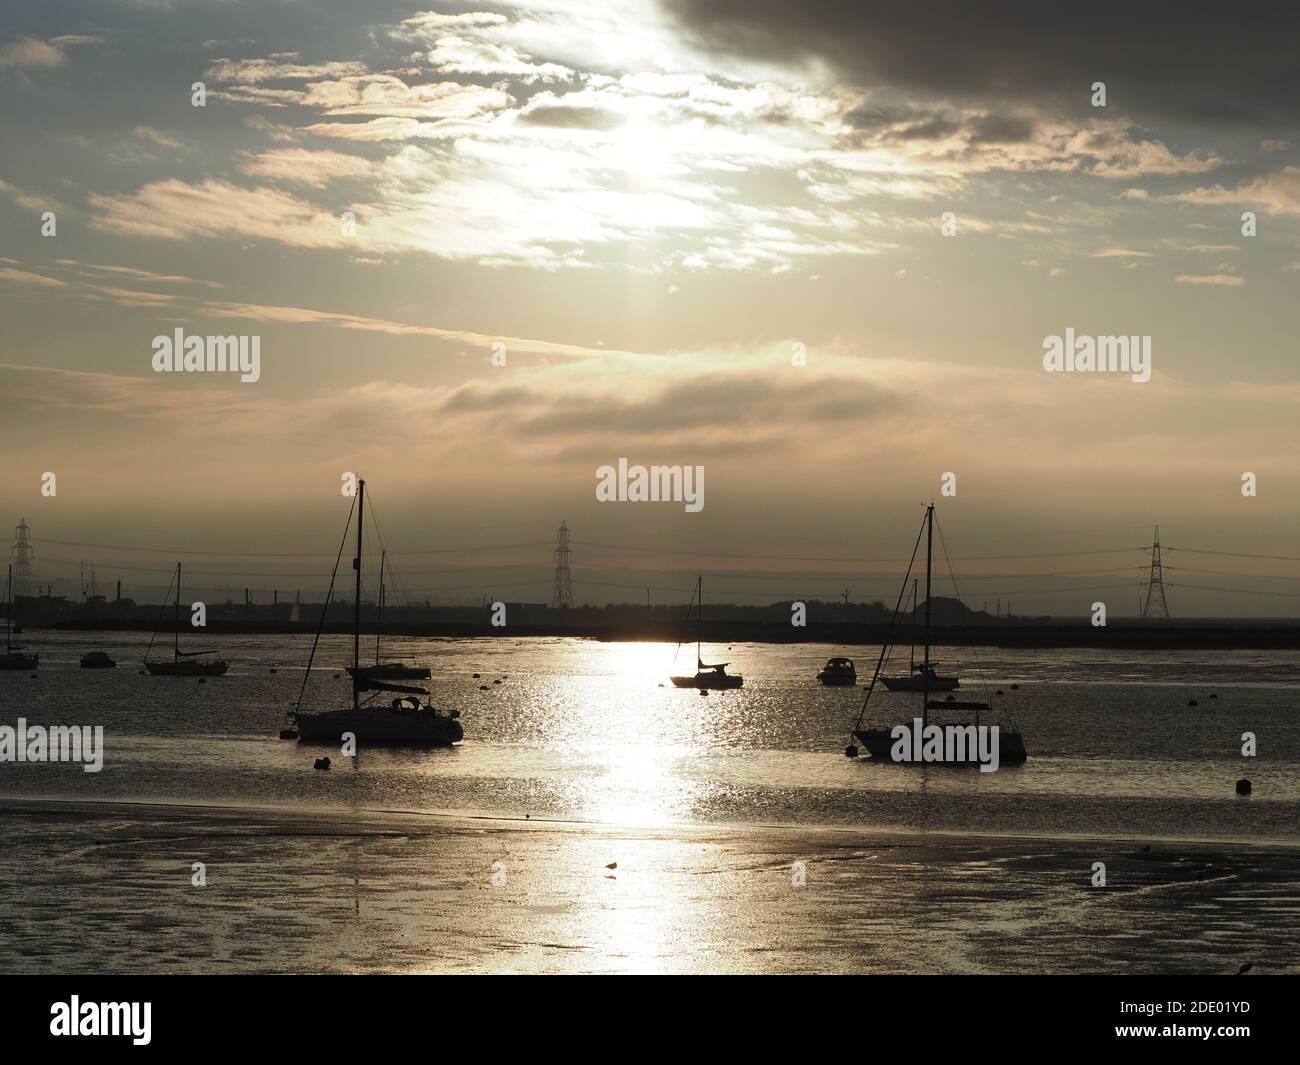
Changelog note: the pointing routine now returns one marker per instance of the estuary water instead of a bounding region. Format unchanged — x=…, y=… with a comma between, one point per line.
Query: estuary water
x=580, y=730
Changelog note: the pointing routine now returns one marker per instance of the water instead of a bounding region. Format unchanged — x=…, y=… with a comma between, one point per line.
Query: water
x=582, y=730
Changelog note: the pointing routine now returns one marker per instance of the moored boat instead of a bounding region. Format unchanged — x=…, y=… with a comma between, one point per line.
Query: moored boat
x=710, y=676
x=97, y=660
x=405, y=720
x=15, y=656
x=964, y=742
x=838, y=671
x=183, y=663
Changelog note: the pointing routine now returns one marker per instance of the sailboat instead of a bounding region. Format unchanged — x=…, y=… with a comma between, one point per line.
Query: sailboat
x=14, y=657
x=924, y=677
x=881, y=742
x=387, y=670
x=403, y=720
x=183, y=663
x=713, y=676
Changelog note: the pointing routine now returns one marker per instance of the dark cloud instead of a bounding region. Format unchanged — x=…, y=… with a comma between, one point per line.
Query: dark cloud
x=571, y=118
x=1232, y=63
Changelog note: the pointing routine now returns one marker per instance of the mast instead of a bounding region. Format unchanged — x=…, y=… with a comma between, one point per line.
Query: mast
x=379, y=623
x=356, y=605
x=176, y=634
x=699, y=622
x=925, y=665
x=913, y=647
x=9, y=606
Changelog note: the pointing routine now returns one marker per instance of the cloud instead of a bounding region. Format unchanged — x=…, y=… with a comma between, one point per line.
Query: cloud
x=458, y=55
x=1278, y=192
x=157, y=136
x=22, y=277
x=1030, y=52
x=1225, y=280
x=305, y=166
x=29, y=52
x=175, y=210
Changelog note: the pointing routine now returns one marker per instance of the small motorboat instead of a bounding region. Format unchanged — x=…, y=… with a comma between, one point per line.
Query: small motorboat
x=838, y=671
x=97, y=660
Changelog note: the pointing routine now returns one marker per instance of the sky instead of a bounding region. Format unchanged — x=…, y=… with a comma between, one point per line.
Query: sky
x=815, y=249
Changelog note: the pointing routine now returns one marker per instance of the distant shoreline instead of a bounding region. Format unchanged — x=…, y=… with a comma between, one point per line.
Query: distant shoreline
x=1190, y=635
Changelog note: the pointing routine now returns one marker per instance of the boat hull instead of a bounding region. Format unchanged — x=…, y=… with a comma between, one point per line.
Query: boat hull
x=17, y=661
x=390, y=671
x=841, y=680
x=380, y=726
x=187, y=669
x=921, y=684
x=709, y=681
x=89, y=662
x=879, y=743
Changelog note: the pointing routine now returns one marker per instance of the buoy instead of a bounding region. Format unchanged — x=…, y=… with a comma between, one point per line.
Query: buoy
x=999, y=692
x=274, y=670
x=850, y=751
x=322, y=763
x=1243, y=786
x=288, y=734
x=1192, y=702
x=1015, y=687
x=496, y=682
x=482, y=687
x=203, y=680
x=1213, y=696
x=704, y=691
x=476, y=676
x=336, y=676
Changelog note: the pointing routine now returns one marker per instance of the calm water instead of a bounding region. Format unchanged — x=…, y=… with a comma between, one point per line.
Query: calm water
x=582, y=730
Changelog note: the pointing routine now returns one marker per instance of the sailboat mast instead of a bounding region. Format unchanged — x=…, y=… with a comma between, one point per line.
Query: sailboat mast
x=176, y=634
x=379, y=623
x=925, y=666
x=913, y=647
x=356, y=605
x=699, y=621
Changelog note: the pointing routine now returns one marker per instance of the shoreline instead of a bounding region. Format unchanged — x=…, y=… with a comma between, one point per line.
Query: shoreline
x=1121, y=634
x=112, y=886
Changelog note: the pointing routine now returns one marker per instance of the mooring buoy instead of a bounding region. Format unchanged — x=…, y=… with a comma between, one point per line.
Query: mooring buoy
x=850, y=751
x=322, y=763
x=1243, y=786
